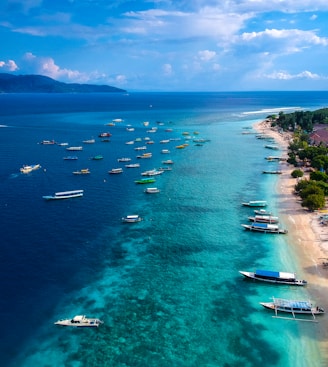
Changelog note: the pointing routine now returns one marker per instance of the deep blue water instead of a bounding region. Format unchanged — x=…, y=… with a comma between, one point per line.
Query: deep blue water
x=167, y=288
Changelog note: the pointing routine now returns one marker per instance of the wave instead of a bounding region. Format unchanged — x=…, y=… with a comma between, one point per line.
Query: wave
x=270, y=110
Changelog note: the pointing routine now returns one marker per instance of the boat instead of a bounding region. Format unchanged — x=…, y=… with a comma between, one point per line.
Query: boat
x=293, y=307
x=273, y=172
x=83, y=171
x=255, y=203
x=30, y=168
x=89, y=141
x=74, y=148
x=152, y=172
x=48, y=142
x=132, y=218
x=105, y=135
x=262, y=212
x=141, y=148
x=165, y=169
x=274, y=147
x=168, y=161
x=165, y=141
x=124, y=159
x=145, y=181
x=62, y=144
x=277, y=277
x=70, y=158
x=132, y=165
x=79, y=321
x=64, y=195
x=152, y=190
x=97, y=157
x=165, y=151
x=115, y=170
x=264, y=219
x=264, y=228
x=130, y=142
x=145, y=155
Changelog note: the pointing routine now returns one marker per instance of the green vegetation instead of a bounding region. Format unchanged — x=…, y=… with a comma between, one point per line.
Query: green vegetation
x=303, y=120
x=297, y=173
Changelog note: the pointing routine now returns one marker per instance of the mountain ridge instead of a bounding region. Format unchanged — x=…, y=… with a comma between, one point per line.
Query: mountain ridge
x=33, y=83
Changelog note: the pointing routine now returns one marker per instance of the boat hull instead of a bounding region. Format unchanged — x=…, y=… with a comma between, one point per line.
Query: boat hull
x=272, y=279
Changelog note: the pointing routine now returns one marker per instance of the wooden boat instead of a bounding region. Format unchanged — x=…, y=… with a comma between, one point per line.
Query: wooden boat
x=74, y=148
x=255, y=203
x=152, y=172
x=145, y=181
x=273, y=172
x=277, y=277
x=83, y=171
x=152, y=190
x=132, y=218
x=264, y=219
x=145, y=155
x=168, y=161
x=70, y=158
x=64, y=195
x=132, y=165
x=124, y=159
x=105, y=135
x=48, y=142
x=274, y=147
x=264, y=228
x=115, y=171
x=293, y=307
x=262, y=212
x=89, y=141
x=79, y=321
x=97, y=157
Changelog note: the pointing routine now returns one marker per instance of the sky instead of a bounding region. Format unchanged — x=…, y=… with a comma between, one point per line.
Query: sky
x=169, y=45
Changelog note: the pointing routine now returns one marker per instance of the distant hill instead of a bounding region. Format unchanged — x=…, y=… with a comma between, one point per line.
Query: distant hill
x=42, y=84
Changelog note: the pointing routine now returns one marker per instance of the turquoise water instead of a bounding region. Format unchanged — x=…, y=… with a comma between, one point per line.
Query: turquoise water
x=167, y=288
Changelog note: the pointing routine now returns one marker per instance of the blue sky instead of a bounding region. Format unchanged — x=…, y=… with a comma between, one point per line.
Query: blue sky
x=164, y=45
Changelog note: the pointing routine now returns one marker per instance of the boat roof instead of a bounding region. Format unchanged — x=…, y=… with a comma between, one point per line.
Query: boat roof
x=279, y=302
x=78, y=318
x=264, y=225
x=69, y=192
x=275, y=274
x=132, y=216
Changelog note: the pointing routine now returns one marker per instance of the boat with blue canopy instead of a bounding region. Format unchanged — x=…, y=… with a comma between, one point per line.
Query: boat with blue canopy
x=277, y=277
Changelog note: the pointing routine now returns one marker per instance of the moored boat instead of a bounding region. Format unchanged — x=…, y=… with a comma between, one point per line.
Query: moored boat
x=97, y=157
x=145, y=181
x=264, y=219
x=74, y=148
x=152, y=172
x=83, y=171
x=274, y=147
x=255, y=203
x=89, y=141
x=262, y=212
x=152, y=190
x=273, y=172
x=134, y=218
x=132, y=165
x=115, y=171
x=79, y=321
x=105, y=135
x=277, y=277
x=293, y=307
x=64, y=195
x=70, y=158
x=264, y=228
x=124, y=159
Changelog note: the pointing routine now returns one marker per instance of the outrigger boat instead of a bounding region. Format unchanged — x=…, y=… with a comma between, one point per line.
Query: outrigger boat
x=264, y=228
x=277, y=277
x=64, y=195
x=255, y=203
x=132, y=218
x=79, y=321
x=293, y=307
x=264, y=219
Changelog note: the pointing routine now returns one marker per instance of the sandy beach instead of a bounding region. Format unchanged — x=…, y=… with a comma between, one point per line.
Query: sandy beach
x=307, y=237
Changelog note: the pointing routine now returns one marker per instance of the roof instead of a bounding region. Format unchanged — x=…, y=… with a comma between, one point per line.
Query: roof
x=275, y=274
x=279, y=302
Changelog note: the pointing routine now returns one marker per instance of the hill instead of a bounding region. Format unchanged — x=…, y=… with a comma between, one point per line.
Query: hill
x=42, y=84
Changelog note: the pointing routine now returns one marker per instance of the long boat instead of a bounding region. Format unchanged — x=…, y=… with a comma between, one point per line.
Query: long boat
x=273, y=172
x=277, y=277
x=152, y=190
x=134, y=218
x=293, y=307
x=79, y=321
x=74, y=148
x=255, y=203
x=30, y=168
x=264, y=228
x=264, y=219
x=145, y=181
x=64, y=195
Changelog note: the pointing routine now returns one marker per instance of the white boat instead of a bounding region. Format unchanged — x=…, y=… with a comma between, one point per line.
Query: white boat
x=132, y=165
x=62, y=144
x=274, y=147
x=64, y=195
x=293, y=307
x=277, y=277
x=115, y=170
x=30, y=168
x=145, y=156
x=165, y=151
x=255, y=203
x=152, y=190
x=79, y=321
x=140, y=148
x=264, y=228
x=168, y=161
x=83, y=171
x=262, y=212
x=74, y=148
x=264, y=219
x=48, y=142
x=152, y=172
x=132, y=218
x=89, y=141
x=124, y=159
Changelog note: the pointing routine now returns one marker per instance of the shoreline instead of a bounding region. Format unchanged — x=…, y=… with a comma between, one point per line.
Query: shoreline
x=306, y=237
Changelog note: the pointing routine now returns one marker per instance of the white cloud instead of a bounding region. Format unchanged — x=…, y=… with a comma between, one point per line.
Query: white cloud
x=10, y=65
x=283, y=75
x=206, y=55
x=167, y=69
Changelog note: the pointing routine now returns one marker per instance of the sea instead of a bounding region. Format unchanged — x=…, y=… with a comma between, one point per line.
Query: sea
x=168, y=288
